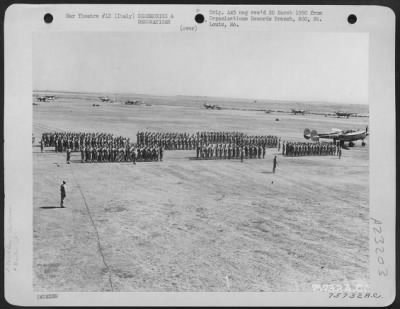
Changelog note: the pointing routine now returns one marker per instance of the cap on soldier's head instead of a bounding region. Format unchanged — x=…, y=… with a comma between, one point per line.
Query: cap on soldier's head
x=64, y=182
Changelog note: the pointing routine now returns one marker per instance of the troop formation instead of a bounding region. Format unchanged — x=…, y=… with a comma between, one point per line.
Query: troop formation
x=61, y=141
x=150, y=146
x=169, y=141
x=186, y=141
x=236, y=138
x=230, y=151
x=310, y=149
x=130, y=153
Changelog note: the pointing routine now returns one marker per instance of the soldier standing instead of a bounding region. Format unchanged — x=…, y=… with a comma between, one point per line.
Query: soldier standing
x=41, y=145
x=274, y=165
x=134, y=155
x=91, y=154
x=63, y=192
x=82, y=154
x=162, y=153
x=68, y=155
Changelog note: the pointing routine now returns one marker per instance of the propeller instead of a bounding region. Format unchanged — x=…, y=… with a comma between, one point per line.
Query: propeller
x=314, y=133
x=307, y=133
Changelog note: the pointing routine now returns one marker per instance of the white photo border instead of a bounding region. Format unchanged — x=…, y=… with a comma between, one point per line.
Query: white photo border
x=23, y=20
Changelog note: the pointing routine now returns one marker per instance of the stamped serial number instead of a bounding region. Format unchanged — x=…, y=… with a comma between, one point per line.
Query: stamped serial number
x=47, y=296
x=379, y=246
x=355, y=295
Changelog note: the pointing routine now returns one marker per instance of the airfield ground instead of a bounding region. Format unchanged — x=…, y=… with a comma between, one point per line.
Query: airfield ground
x=189, y=225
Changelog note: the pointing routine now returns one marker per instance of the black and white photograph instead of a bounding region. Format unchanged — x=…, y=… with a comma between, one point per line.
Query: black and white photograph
x=202, y=161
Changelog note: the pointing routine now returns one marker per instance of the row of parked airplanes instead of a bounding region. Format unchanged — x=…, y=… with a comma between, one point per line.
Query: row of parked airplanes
x=293, y=111
x=303, y=112
x=47, y=98
x=339, y=114
x=127, y=102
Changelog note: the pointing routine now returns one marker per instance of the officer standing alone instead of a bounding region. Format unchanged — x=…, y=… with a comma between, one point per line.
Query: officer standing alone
x=63, y=191
x=274, y=165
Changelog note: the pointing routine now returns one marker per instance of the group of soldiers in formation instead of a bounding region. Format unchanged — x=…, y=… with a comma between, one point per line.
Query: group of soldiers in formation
x=150, y=146
x=61, y=141
x=311, y=149
x=100, y=147
x=186, y=141
x=230, y=151
x=130, y=153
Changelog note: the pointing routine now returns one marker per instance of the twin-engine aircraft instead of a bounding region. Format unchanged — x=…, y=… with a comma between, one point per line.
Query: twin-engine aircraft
x=132, y=102
x=104, y=99
x=298, y=111
x=345, y=114
x=343, y=136
x=46, y=98
x=211, y=106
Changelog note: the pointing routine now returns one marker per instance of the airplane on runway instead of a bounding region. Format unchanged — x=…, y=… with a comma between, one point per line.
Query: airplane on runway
x=298, y=111
x=210, y=106
x=134, y=102
x=344, y=114
x=104, y=99
x=342, y=136
x=46, y=98
x=42, y=99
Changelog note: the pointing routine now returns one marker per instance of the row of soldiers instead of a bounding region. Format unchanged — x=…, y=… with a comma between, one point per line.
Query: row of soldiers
x=185, y=141
x=230, y=151
x=310, y=149
x=131, y=153
x=221, y=137
x=146, y=138
x=210, y=137
x=61, y=141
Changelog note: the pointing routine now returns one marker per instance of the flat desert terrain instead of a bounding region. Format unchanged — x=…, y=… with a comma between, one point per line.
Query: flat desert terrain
x=192, y=225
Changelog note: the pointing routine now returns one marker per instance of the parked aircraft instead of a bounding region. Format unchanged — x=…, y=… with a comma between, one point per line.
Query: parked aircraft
x=298, y=111
x=210, y=106
x=345, y=114
x=343, y=136
x=104, y=99
x=132, y=102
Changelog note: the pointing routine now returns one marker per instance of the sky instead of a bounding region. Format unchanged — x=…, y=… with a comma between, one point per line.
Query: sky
x=320, y=67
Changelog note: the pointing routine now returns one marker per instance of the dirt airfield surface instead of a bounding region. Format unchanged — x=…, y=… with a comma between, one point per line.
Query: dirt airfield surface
x=194, y=225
